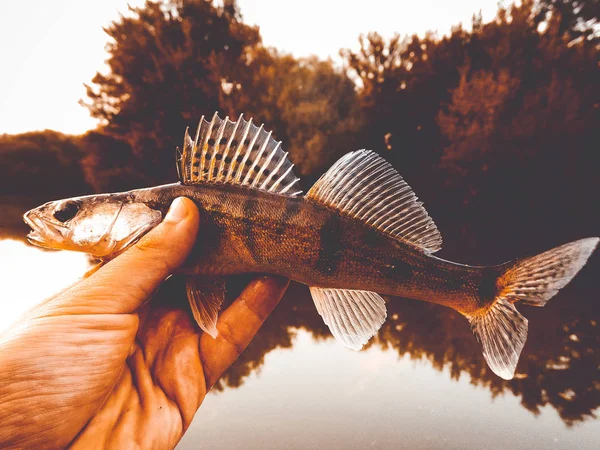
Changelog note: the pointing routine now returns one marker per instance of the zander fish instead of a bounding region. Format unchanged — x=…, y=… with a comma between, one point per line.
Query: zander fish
x=359, y=232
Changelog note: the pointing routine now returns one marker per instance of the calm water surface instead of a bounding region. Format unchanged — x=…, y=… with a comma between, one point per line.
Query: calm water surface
x=421, y=383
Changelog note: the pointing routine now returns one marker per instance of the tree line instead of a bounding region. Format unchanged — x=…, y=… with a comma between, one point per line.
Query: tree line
x=495, y=127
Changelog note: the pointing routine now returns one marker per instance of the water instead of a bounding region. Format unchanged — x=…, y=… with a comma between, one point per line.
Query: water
x=422, y=383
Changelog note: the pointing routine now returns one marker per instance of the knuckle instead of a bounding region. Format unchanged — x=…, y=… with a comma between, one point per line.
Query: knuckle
x=150, y=243
x=154, y=256
x=209, y=376
x=261, y=315
x=136, y=291
x=226, y=333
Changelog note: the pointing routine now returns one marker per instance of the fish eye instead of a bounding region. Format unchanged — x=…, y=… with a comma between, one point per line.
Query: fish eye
x=67, y=210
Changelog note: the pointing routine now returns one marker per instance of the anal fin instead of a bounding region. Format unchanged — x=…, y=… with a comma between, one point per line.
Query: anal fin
x=353, y=317
x=206, y=295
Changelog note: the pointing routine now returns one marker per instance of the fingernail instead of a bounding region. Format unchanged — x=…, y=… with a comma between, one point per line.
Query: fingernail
x=177, y=212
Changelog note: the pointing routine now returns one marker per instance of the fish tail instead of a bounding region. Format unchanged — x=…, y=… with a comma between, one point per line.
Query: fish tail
x=501, y=329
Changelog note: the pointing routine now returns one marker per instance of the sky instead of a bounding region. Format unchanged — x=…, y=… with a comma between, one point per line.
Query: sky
x=48, y=49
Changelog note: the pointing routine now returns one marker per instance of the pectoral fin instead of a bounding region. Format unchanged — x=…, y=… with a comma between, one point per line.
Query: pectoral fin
x=353, y=317
x=206, y=295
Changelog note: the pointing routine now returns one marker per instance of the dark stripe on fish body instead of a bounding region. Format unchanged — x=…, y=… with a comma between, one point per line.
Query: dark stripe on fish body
x=291, y=209
x=331, y=247
x=250, y=210
x=396, y=267
x=486, y=288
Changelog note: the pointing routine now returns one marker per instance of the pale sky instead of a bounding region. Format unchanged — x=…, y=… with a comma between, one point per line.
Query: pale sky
x=48, y=49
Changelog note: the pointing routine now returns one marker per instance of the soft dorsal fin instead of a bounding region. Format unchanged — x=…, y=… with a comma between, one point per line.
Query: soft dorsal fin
x=365, y=186
x=236, y=153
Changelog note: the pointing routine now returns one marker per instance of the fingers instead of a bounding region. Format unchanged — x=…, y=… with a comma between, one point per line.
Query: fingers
x=125, y=283
x=238, y=325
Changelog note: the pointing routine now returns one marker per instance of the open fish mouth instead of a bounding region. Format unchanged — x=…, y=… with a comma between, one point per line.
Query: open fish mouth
x=43, y=233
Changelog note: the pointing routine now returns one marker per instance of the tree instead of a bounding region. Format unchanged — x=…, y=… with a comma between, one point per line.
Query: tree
x=110, y=164
x=168, y=64
x=470, y=121
x=516, y=127
x=174, y=61
x=310, y=105
x=402, y=84
x=578, y=18
x=41, y=164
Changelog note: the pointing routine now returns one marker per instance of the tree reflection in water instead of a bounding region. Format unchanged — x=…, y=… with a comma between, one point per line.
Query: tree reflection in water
x=560, y=365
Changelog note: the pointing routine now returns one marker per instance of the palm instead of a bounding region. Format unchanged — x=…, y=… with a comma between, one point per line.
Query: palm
x=120, y=382
x=160, y=388
x=172, y=366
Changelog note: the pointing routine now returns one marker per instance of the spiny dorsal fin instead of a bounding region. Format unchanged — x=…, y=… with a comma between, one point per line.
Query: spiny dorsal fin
x=237, y=153
x=365, y=186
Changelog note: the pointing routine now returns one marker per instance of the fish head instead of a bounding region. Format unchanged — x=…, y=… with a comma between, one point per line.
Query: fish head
x=101, y=225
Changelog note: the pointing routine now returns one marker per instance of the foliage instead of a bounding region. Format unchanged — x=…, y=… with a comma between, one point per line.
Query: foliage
x=35, y=164
x=110, y=164
x=168, y=63
x=311, y=105
x=173, y=61
x=458, y=114
x=578, y=18
x=463, y=114
x=529, y=116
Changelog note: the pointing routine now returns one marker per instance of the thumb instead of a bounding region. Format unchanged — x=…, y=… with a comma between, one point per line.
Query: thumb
x=125, y=283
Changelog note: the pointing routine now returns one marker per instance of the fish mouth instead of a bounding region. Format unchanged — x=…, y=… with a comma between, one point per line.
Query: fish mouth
x=43, y=233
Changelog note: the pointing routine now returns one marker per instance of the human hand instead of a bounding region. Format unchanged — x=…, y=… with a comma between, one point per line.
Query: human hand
x=93, y=368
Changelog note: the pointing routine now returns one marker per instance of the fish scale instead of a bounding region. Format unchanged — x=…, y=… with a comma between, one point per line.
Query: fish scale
x=360, y=232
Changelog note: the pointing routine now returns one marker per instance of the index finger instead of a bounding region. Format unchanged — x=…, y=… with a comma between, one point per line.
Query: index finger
x=238, y=325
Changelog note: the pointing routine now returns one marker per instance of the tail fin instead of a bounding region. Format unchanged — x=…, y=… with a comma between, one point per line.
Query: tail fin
x=501, y=330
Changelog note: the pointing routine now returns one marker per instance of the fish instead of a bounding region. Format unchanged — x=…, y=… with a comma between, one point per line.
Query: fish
x=358, y=234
